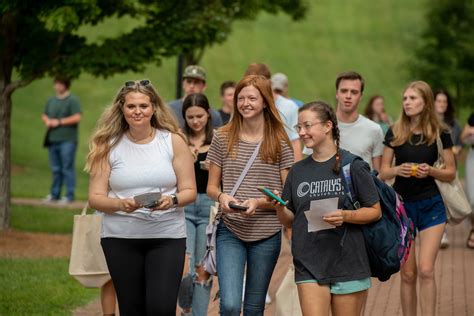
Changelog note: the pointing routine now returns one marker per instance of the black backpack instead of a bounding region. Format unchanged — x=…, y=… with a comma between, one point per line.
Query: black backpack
x=389, y=239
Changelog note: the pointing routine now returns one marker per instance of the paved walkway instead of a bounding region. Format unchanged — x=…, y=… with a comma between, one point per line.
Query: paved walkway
x=454, y=274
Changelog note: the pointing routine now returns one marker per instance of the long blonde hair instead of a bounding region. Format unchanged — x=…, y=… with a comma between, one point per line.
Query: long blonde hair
x=112, y=124
x=429, y=123
x=274, y=131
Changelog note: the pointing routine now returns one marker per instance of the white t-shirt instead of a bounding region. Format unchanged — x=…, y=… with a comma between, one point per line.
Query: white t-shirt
x=363, y=138
x=138, y=169
x=289, y=114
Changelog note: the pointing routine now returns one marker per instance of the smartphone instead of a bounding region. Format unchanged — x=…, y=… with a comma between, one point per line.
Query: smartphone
x=238, y=207
x=271, y=195
x=148, y=200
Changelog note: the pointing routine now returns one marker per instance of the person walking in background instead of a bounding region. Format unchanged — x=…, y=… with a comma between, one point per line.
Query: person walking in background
x=250, y=237
x=467, y=137
x=136, y=149
x=359, y=135
x=412, y=142
x=445, y=110
x=61, y=117
x=280, y=83
x=375, y=111
x=227, y=98
x=194, y=81
x=196, y=286
x=287, y=109
x=332, y=268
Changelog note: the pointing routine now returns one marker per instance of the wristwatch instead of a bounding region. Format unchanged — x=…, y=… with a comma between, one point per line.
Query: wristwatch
x=174, y=199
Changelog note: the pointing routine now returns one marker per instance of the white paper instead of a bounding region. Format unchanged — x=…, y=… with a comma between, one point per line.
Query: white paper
x=317, y=210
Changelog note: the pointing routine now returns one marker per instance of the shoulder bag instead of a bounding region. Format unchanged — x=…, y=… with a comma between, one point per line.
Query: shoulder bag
x=454, y=197
x=87, y=264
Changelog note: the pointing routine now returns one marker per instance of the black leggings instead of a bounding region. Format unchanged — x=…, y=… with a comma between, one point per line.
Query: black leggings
x=146, y=273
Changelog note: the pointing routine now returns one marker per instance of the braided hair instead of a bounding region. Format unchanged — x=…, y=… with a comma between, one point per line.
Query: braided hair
x=325, y=113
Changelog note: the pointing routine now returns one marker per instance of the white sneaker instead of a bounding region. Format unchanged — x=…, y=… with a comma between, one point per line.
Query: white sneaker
x=49, y=199
x=444, y=241
x=64, y=200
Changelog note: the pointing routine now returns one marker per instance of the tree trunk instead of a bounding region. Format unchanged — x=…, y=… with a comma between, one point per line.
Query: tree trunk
x=8, y=30
x=5, y=160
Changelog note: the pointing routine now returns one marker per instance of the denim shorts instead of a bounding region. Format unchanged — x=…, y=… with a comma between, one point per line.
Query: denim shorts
x=426, y=213
x=346, y=287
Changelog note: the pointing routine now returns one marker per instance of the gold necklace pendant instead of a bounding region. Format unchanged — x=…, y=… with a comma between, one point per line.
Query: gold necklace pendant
x=140, y=140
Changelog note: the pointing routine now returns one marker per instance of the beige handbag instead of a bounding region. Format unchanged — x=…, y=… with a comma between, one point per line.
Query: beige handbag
x=287, y=301
x=454, y=197
x=87, y=264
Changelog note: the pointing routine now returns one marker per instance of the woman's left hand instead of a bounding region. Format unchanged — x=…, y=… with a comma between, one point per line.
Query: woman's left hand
x=252, y=205
x=165, y=203
x=423, y=170
x=334, y=218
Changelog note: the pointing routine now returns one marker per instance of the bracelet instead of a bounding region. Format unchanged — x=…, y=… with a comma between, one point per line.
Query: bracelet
x=59, y=122
x=218, y=196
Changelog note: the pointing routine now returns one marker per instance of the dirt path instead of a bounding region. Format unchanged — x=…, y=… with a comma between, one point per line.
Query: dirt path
x=16, y=244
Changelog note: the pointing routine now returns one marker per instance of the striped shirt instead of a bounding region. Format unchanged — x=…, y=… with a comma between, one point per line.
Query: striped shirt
x=264, y=223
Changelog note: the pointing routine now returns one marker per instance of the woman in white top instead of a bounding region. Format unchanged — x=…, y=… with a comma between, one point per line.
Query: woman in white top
x=138, y=149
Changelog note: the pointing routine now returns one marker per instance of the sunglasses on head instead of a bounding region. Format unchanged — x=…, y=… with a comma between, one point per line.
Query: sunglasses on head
x=144, y=82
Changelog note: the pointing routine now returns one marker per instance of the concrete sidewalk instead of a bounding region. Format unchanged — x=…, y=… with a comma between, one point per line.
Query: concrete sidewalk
x=454, y=275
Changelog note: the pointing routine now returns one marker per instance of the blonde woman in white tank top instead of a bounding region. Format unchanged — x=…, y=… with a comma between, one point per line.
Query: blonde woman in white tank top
x=135, y=149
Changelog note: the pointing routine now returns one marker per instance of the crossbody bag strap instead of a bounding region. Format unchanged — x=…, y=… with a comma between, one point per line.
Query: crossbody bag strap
x=439, y=144
x=246, y=169
x=240, y=179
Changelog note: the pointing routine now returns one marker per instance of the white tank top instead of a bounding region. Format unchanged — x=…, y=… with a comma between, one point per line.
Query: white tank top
x=137, y=169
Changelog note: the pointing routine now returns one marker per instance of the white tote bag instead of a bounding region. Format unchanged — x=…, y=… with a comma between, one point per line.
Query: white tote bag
x=455, y=200
x=87, y=264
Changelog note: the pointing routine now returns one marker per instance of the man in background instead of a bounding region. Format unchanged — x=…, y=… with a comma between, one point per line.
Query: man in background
x=61, y=117
x=194, y=81
x=227, y=97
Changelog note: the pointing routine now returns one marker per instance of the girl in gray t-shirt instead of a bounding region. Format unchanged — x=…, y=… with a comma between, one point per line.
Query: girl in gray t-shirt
x=331, y=265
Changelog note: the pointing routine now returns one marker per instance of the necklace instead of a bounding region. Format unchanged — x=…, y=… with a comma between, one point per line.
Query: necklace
x=140, y=140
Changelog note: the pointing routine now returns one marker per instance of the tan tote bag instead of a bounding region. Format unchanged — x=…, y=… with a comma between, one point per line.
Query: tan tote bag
x=287, y=302
x=454, y=197
x=87, y=264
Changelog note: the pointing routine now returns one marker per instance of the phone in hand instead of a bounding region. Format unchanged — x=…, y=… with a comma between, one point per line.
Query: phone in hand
x=238, y=207
x=271, y=195
x=148, y=200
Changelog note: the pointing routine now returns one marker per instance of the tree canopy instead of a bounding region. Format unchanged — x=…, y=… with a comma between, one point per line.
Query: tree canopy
x=445, y=57
x=46, y=40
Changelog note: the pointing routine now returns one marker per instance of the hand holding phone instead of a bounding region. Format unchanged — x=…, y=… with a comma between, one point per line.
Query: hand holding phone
x=238, y=207
x=148, y=200
x=271, y=195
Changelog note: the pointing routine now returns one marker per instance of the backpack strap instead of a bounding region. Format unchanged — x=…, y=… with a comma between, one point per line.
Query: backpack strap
x=347, y=159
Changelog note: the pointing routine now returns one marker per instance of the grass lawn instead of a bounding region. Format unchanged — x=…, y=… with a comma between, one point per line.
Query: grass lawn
x=42, y=219
x=40, y=287
x=374, y=38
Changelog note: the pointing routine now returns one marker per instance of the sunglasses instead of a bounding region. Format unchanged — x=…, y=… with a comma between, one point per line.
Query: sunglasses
x=144, y=82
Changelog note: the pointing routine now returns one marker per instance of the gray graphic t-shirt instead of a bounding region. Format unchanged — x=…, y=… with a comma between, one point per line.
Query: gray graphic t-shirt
x=332, y=255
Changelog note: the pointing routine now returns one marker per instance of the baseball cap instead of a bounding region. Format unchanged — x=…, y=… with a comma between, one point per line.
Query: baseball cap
x=279, y=81
x=194, y=71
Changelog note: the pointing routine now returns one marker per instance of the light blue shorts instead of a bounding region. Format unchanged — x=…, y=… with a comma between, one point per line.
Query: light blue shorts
x=347, y=287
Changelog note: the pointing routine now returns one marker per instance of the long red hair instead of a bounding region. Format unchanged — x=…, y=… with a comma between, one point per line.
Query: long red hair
x=274, y=131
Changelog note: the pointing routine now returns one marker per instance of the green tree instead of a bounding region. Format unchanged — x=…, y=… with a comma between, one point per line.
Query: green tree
x=445, y=57
x=39, y=38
